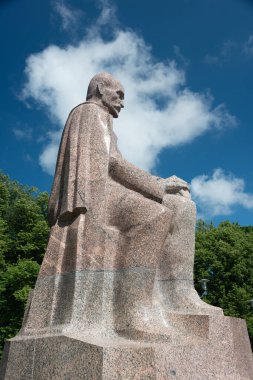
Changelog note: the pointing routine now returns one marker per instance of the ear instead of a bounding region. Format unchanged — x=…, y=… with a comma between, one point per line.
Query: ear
x=99, y=90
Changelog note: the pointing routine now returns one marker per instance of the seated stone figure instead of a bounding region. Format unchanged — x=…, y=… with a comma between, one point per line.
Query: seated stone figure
x=121, y=247
x=114, y=298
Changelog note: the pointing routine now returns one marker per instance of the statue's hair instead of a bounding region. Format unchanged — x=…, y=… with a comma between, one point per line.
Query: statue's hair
x=103, y=78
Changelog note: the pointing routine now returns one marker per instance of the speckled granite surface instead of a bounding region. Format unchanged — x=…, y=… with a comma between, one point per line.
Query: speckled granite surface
x=115, y=297
x=198, y=347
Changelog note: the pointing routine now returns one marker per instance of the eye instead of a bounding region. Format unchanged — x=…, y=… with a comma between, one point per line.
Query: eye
x=121, y=94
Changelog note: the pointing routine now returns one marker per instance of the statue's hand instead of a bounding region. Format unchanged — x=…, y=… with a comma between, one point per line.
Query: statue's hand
x=185, y=193
x=175, y=185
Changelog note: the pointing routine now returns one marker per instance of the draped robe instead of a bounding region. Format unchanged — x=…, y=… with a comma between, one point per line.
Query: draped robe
x=81, y=244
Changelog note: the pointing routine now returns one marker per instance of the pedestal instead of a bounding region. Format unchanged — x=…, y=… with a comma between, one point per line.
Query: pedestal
x=198, y=347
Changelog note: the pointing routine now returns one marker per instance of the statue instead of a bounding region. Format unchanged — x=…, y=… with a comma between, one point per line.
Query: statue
x=117, y=232
x=115, y=298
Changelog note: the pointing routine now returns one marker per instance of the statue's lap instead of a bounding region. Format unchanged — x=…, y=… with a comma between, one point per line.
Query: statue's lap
x=127, y=208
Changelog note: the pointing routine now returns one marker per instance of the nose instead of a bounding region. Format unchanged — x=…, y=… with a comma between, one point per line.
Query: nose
x=122, y=103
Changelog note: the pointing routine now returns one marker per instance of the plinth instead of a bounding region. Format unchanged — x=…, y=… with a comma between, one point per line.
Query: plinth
x=198, y=347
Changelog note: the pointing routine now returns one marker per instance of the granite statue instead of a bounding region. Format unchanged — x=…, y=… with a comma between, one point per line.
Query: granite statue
x=116, y=282
x=108, y=215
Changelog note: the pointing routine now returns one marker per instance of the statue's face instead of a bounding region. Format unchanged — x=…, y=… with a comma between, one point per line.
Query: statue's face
x=113, y=98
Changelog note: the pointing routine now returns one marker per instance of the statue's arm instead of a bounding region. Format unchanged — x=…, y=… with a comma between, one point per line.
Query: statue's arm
x=135, y=178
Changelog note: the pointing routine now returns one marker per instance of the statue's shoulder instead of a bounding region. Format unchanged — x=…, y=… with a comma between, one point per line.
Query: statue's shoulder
x=88, y=108
x=82, y=107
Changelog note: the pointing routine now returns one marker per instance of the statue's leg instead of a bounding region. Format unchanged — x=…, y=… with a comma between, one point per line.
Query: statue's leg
x=174, y=286
x=42, y=311
x=143, y=225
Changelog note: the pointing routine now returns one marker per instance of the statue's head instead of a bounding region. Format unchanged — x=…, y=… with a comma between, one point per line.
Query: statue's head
x=107, y=91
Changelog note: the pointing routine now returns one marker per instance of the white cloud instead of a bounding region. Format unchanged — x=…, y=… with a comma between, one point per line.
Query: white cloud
x=160, y=111
x=47, y=158
x=218, y=194
x=22, y=133
x=69, y=16
x=212, y=60
x=227, y=49
x=107, y=14
x=248, y=46
x=180, y=56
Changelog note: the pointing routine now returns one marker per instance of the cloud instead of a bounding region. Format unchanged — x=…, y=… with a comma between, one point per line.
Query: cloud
x=228, y=49
x=225, y=52
x=180, y=56
x=27, y=157
x=23, y=134
x=48, y=156
x=212, y=60
x=219, y=193
x=69, y=16
x=248, y=46
x=107, y=13
x=160, y=111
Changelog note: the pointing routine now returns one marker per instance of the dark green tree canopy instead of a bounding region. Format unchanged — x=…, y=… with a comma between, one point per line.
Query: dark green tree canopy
x=23, y=238
x=224, y=256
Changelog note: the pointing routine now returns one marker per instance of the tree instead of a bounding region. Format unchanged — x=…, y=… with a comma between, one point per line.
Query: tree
x=224, y=256
x=23, y=238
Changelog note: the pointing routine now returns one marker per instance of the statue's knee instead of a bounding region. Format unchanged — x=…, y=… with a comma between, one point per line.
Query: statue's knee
x=181, y=208
x=179, y=202
x=165, y=214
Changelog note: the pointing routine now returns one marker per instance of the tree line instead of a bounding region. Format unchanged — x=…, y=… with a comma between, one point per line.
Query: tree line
x=224, y=256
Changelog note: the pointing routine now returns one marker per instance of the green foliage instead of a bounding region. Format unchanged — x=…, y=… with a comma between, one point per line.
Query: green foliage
x=23, y=238
x=224, y=255
x=15, y=283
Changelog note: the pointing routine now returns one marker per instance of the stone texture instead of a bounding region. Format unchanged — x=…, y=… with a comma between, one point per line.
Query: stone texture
x=121, y=247
x=115, y=298
x=211, y=347
x=17, y=361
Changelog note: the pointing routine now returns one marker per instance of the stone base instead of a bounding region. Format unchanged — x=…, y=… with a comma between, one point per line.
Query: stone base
x=221, y=350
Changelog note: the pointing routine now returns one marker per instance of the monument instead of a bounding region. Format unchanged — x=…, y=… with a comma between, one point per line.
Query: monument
x=115, y=297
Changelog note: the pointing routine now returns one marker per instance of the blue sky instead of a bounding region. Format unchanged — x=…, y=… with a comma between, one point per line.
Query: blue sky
x=187, y=70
